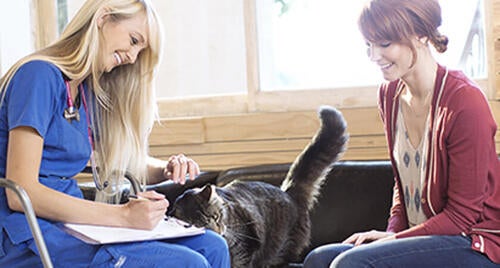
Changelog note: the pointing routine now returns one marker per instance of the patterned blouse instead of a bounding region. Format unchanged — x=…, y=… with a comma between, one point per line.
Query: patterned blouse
x=411, y=165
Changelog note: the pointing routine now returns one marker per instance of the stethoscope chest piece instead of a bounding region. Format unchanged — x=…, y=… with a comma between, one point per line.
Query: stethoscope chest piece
x=71, y=114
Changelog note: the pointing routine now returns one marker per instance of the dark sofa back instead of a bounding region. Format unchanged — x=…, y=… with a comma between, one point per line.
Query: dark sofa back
x=356, y=196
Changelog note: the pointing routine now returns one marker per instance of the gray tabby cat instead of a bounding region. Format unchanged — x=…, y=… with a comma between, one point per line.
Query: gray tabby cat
x=266, y=226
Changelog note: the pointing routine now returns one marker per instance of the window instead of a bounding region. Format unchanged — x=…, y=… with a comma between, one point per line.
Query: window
x=204, y=52
x=238, y=56
x=62, y=15
x=307, y=44
x=16, y=40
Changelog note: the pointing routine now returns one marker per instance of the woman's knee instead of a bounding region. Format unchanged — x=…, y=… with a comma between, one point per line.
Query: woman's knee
x=322, y=256
x=216, y=249
x=351, y=258
x=317, y=258
x=195, y=260
x=216, y=246
x=216, y=240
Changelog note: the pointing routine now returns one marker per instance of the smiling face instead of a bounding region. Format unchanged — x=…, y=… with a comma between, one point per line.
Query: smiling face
x=395, y=60
x=121, y=40
x=397, y=31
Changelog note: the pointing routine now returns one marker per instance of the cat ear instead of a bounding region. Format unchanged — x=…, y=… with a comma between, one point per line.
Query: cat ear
x=206, y=192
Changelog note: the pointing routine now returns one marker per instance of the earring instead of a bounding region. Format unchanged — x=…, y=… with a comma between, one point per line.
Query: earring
x=423, y=39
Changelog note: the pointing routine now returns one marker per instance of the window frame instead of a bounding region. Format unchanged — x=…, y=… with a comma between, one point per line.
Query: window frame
x=44, y=19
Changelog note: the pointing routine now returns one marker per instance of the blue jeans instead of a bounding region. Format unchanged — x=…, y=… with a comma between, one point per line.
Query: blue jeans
x=422, y=251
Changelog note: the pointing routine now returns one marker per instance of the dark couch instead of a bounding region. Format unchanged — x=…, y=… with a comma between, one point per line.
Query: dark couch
x=356, y=195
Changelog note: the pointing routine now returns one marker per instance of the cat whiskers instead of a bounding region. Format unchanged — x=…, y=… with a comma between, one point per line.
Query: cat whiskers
x=230, y=231
x=241, y=235
x=241, y=224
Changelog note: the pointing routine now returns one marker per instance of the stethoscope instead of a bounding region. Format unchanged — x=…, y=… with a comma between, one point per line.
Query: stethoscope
x=70, y=114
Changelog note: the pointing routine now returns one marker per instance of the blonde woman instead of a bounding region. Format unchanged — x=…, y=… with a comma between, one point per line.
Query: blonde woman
x=90, y=96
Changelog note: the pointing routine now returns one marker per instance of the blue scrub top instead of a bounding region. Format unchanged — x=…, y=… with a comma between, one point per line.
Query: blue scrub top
x=36, y=97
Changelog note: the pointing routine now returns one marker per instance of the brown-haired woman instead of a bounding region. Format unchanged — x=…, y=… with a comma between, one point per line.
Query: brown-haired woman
x=440, y=132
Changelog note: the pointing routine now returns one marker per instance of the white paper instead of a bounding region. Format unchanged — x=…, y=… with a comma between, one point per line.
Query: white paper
x=94, y=234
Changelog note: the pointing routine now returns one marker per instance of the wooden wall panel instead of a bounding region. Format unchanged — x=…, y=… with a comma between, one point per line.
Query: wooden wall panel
x=218, y=142
x=212, y=148
x=261, y=126
x=221, y=142
x=178, y=131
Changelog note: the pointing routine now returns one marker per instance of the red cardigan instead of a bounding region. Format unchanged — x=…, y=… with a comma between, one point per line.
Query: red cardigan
x=462, y=192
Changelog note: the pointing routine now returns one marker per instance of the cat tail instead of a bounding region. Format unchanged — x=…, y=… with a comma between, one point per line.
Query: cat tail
x=307, y=173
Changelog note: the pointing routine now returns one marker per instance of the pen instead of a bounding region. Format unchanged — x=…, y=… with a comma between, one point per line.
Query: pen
x=133, y=196
x=167, y=218
x=177, y=221
x=153, y=199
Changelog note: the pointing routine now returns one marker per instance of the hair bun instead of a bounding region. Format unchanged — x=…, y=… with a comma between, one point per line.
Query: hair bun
x=440, y=42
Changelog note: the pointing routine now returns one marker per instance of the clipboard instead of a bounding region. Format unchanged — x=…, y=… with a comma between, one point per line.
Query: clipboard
x=166, y=229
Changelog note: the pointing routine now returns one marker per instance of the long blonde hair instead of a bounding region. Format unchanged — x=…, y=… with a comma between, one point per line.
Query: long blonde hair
x=125, y=107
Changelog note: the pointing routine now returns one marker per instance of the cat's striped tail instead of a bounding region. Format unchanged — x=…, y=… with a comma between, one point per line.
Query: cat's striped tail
x=307, y=173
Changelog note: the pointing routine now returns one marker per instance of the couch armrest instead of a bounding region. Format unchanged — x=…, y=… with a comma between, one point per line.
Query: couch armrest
x=172, y=190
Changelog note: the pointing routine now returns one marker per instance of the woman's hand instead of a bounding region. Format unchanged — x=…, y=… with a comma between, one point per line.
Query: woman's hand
x=145, y=211
x=364, y=237
x=179, y=166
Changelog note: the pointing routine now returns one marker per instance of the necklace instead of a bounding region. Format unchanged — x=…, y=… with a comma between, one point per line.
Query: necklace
x=417, y=109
